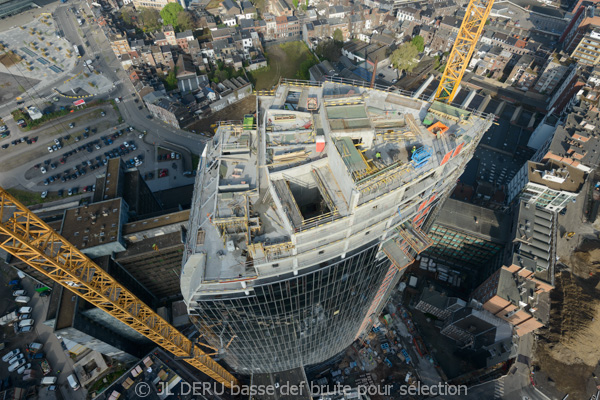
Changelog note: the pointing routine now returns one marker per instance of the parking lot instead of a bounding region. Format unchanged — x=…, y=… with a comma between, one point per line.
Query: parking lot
x=69, y=154
x=53, y=352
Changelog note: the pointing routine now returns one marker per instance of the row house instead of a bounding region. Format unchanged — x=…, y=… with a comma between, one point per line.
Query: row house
x=408, y=14
x=341, y=24
x=183, y=39
x=119, y=43
x=336, y=12
x=280, y=8
x=248, y=11
x=443, y=8
x=451, y=23
x=442, y=40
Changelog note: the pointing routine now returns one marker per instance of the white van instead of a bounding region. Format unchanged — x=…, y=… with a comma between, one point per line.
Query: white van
x=25, y=322
x=48, y=380
x=73, y=382
x=23, y=299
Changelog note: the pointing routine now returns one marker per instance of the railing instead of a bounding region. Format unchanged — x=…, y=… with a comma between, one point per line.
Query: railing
x=367, y=85
x=318, y=220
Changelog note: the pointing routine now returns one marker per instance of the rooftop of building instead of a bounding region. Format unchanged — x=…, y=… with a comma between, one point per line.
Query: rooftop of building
x=476, y=220
x=556, y=175
x=577, y=141
x=323, y=151
x=93, y=224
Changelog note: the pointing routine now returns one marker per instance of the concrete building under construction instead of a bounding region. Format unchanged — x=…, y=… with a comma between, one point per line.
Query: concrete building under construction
x=304, y=219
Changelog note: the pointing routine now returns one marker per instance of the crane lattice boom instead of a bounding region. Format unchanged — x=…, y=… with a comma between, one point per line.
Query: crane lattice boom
x=470, y=30
x=32, y=241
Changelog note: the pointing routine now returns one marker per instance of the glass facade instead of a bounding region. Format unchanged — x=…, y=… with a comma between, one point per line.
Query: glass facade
x=290, y=321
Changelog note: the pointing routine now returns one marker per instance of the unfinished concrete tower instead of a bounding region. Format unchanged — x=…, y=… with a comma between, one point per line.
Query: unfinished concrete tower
x=304, y=218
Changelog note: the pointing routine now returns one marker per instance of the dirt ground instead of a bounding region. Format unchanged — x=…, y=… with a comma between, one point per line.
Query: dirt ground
x=234, y=112
x=567, y=352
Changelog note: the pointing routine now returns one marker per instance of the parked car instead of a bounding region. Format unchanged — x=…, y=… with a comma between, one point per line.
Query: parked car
x=18, y=293
x=23, y=299
x=16, y=358
x=25, y=310
x=25, y=329
x=10, y=354
x=16, y=365
x=26, y=322
x=23, y=368
x=73, y=382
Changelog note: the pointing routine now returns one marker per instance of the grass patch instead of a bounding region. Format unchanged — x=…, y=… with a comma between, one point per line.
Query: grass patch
x=287, y=60
x=100, y=385
x=195, y=161
x=30, y=198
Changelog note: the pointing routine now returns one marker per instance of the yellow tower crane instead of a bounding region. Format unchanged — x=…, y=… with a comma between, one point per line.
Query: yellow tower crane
x=470, y=30
x=32, y=241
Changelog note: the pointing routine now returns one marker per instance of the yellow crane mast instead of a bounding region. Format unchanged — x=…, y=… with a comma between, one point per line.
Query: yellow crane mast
x=32, y=241
x=470, y=30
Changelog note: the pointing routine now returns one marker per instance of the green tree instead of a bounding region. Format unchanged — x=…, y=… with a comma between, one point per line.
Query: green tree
x=419, y=43
x=403, y=58
x=295, y=3
x=184, y=21
x=149, y=19
x=329, y=50
x=169, y=13
x=126, y=17
x=338, y=36
x=171, y=80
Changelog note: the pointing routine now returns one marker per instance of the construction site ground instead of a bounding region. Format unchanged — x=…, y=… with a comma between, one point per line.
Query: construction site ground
x=567, y=355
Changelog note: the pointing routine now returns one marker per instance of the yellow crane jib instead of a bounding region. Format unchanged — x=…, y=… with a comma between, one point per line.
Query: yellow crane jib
x=470, y=30
x=32, y=241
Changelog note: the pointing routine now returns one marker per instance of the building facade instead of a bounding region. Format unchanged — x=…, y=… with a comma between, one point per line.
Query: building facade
x=294, y=249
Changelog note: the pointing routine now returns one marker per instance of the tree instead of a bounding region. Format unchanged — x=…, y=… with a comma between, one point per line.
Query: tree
x=126, y=17
x=149, y=19
x=419, y=43
x=169, y=13
x=403, y=58
x=295, y=2
x=338, y=36
x=184, y=21
x=171, y=80
x=329, y=50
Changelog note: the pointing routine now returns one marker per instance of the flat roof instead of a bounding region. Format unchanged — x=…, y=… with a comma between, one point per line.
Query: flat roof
x=94, y=224
x=556, y=175
x=479, y=221
x=155, y=222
